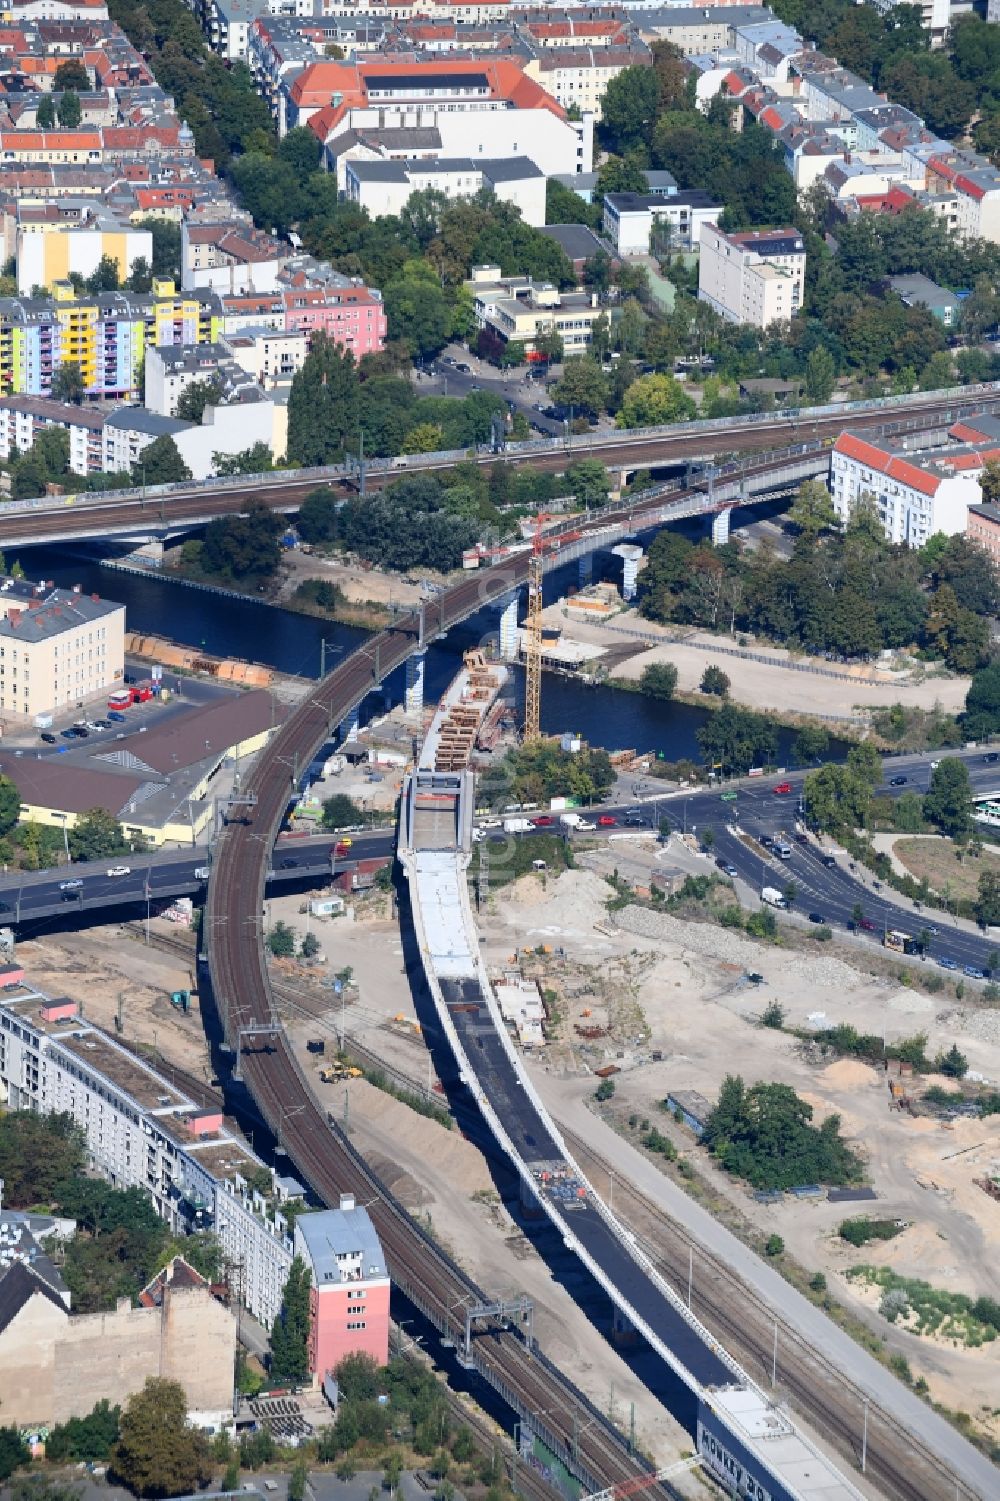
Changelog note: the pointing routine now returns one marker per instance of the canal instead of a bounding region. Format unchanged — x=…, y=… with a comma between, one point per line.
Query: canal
x=232, y=626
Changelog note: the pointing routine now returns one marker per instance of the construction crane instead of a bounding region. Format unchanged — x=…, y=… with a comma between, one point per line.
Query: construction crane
x=533, y=638
x=642, y=1482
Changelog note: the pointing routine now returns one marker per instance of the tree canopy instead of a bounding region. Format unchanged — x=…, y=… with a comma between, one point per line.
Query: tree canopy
x=765, y=1135
x=96, y=836
x=157, y=1453
x=290, y=1335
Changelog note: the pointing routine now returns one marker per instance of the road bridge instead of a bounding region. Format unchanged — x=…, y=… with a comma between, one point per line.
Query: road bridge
x=157, y=512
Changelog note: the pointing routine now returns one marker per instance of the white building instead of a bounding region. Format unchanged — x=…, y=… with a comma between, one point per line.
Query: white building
x=22, y=418
x=384, y=187
x=143, y=1133
x=917, y=494
x=630, y=219
x=756, y=276
x=171, y=368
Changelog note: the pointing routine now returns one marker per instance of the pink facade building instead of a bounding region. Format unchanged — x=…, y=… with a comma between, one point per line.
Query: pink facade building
x=352, y=316
x=349, y=1298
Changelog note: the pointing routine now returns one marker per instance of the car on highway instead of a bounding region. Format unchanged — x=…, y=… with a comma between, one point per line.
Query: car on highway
x=5, y=907
x=782, y=789
x=898, y=781
x=81, y=732
x=946, y=962
x=71, y=896
x=462, y=366
x=585, y=826
x=829, y=861
x=287, y=864
x=634, y=821
x=343, y=846
x=48, y=737
x=867, y=926
x=992, y=756
x=802, y=838
x=816, y=917
x=767, y=840
x=606, y=821
x=727, y=797
x=543, y=821
x=116, y=716
x=974, y=972
x=119, y=870
x=491, y=823
x=70, y=885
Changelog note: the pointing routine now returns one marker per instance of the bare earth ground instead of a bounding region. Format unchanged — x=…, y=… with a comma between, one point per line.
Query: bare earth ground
x=360, y=585
x=681, y=992
x=761, y=684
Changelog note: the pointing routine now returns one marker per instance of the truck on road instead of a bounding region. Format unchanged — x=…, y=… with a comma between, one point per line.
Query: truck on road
x=773, y=897
x=570, y=820
x=516, y=825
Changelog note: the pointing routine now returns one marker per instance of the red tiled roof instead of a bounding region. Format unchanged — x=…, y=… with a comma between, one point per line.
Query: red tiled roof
x=887, y=463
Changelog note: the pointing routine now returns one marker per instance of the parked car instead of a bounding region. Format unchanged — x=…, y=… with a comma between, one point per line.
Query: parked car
x=117, y=716
x=946, y=962
x=68, y=734
x=48, y=737
x=974, y=973
x=816, y=917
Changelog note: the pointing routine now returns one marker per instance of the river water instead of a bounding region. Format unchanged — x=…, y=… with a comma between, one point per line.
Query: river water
x=231, y=626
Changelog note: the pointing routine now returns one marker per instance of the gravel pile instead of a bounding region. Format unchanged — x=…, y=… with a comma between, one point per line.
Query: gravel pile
x=732, y=948
x=984, y=1025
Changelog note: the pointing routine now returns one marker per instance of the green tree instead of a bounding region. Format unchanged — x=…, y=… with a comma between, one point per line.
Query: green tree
x=864, y=759
x=157, y=1454
x=982, y=702
x=342, y=812
x=310, y=946
x=419, y=312
x=322, y=404
x=953, y=1063
x=14, y=1452
x=160, y=463
x=821, y=372
x=549, y=345
x=629, y=109
x=811, y=743
x=68, y=384
x=257, y=459
x=37, y=1154
x=836, y=798
x=69, y=110
x=10, y=805
x=196, y=397
x=281, y=941
x=714, y=680
x=812, y=510
x=290, y=1335
x=106, y=276
x=735, y=739
x=589, y=483
x=317, y=520
x=654, y=401
x=82, y=1439
x=583, y=386
x=96, y=835
x=243, y=547
x=774, y=1246
x=605, y=1091
x=948, y=800
x=988, y=900
x=765, y=1135
x=45, y=114
x=71, y=75
x=298, y=1480
x=659, y=680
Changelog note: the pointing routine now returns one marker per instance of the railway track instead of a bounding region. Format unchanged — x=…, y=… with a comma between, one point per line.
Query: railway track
x=79, y=517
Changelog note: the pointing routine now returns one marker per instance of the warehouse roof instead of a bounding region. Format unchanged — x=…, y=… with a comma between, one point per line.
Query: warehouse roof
x=199, y=733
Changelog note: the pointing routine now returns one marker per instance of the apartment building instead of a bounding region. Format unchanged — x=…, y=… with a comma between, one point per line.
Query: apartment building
x=22, y=418
x=631, y=220
x=917, y=493
x=51, y=241
x=349, y=1296
x=58, y=648
x=756, y=276
x=219, y=255
x=696, y=30
x=519, y=310
x=579, y=76
x=384, y=187
x=485, y=109
x=142, y=1132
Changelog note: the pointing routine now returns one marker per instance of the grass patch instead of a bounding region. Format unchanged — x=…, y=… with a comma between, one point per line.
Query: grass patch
x=924, y=1309
x=515, y=856
x=939, y=863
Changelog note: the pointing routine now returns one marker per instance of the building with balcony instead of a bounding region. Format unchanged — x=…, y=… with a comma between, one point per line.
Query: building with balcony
x=519, y=310
x=349, y=1296
x=756, y=276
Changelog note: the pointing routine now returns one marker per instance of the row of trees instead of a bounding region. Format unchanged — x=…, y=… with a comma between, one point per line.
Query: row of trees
x=839, y=798
x=536, y=772
x=847, y=593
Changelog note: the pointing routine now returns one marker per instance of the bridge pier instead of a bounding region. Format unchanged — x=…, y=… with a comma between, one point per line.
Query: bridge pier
x=415, y=672
x=531, y=1209
x=349, y=724
x=622, y=1330
x=631, y=556
x=586, y=566
x=508, y=630
x=720, y=526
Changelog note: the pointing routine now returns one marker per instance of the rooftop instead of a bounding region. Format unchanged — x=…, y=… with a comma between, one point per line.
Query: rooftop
x=332, y=1235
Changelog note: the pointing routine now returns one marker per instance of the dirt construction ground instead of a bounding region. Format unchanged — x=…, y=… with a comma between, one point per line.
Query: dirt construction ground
x=678, y=989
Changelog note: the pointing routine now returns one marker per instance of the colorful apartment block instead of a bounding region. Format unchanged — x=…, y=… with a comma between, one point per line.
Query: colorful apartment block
x=105, y=335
